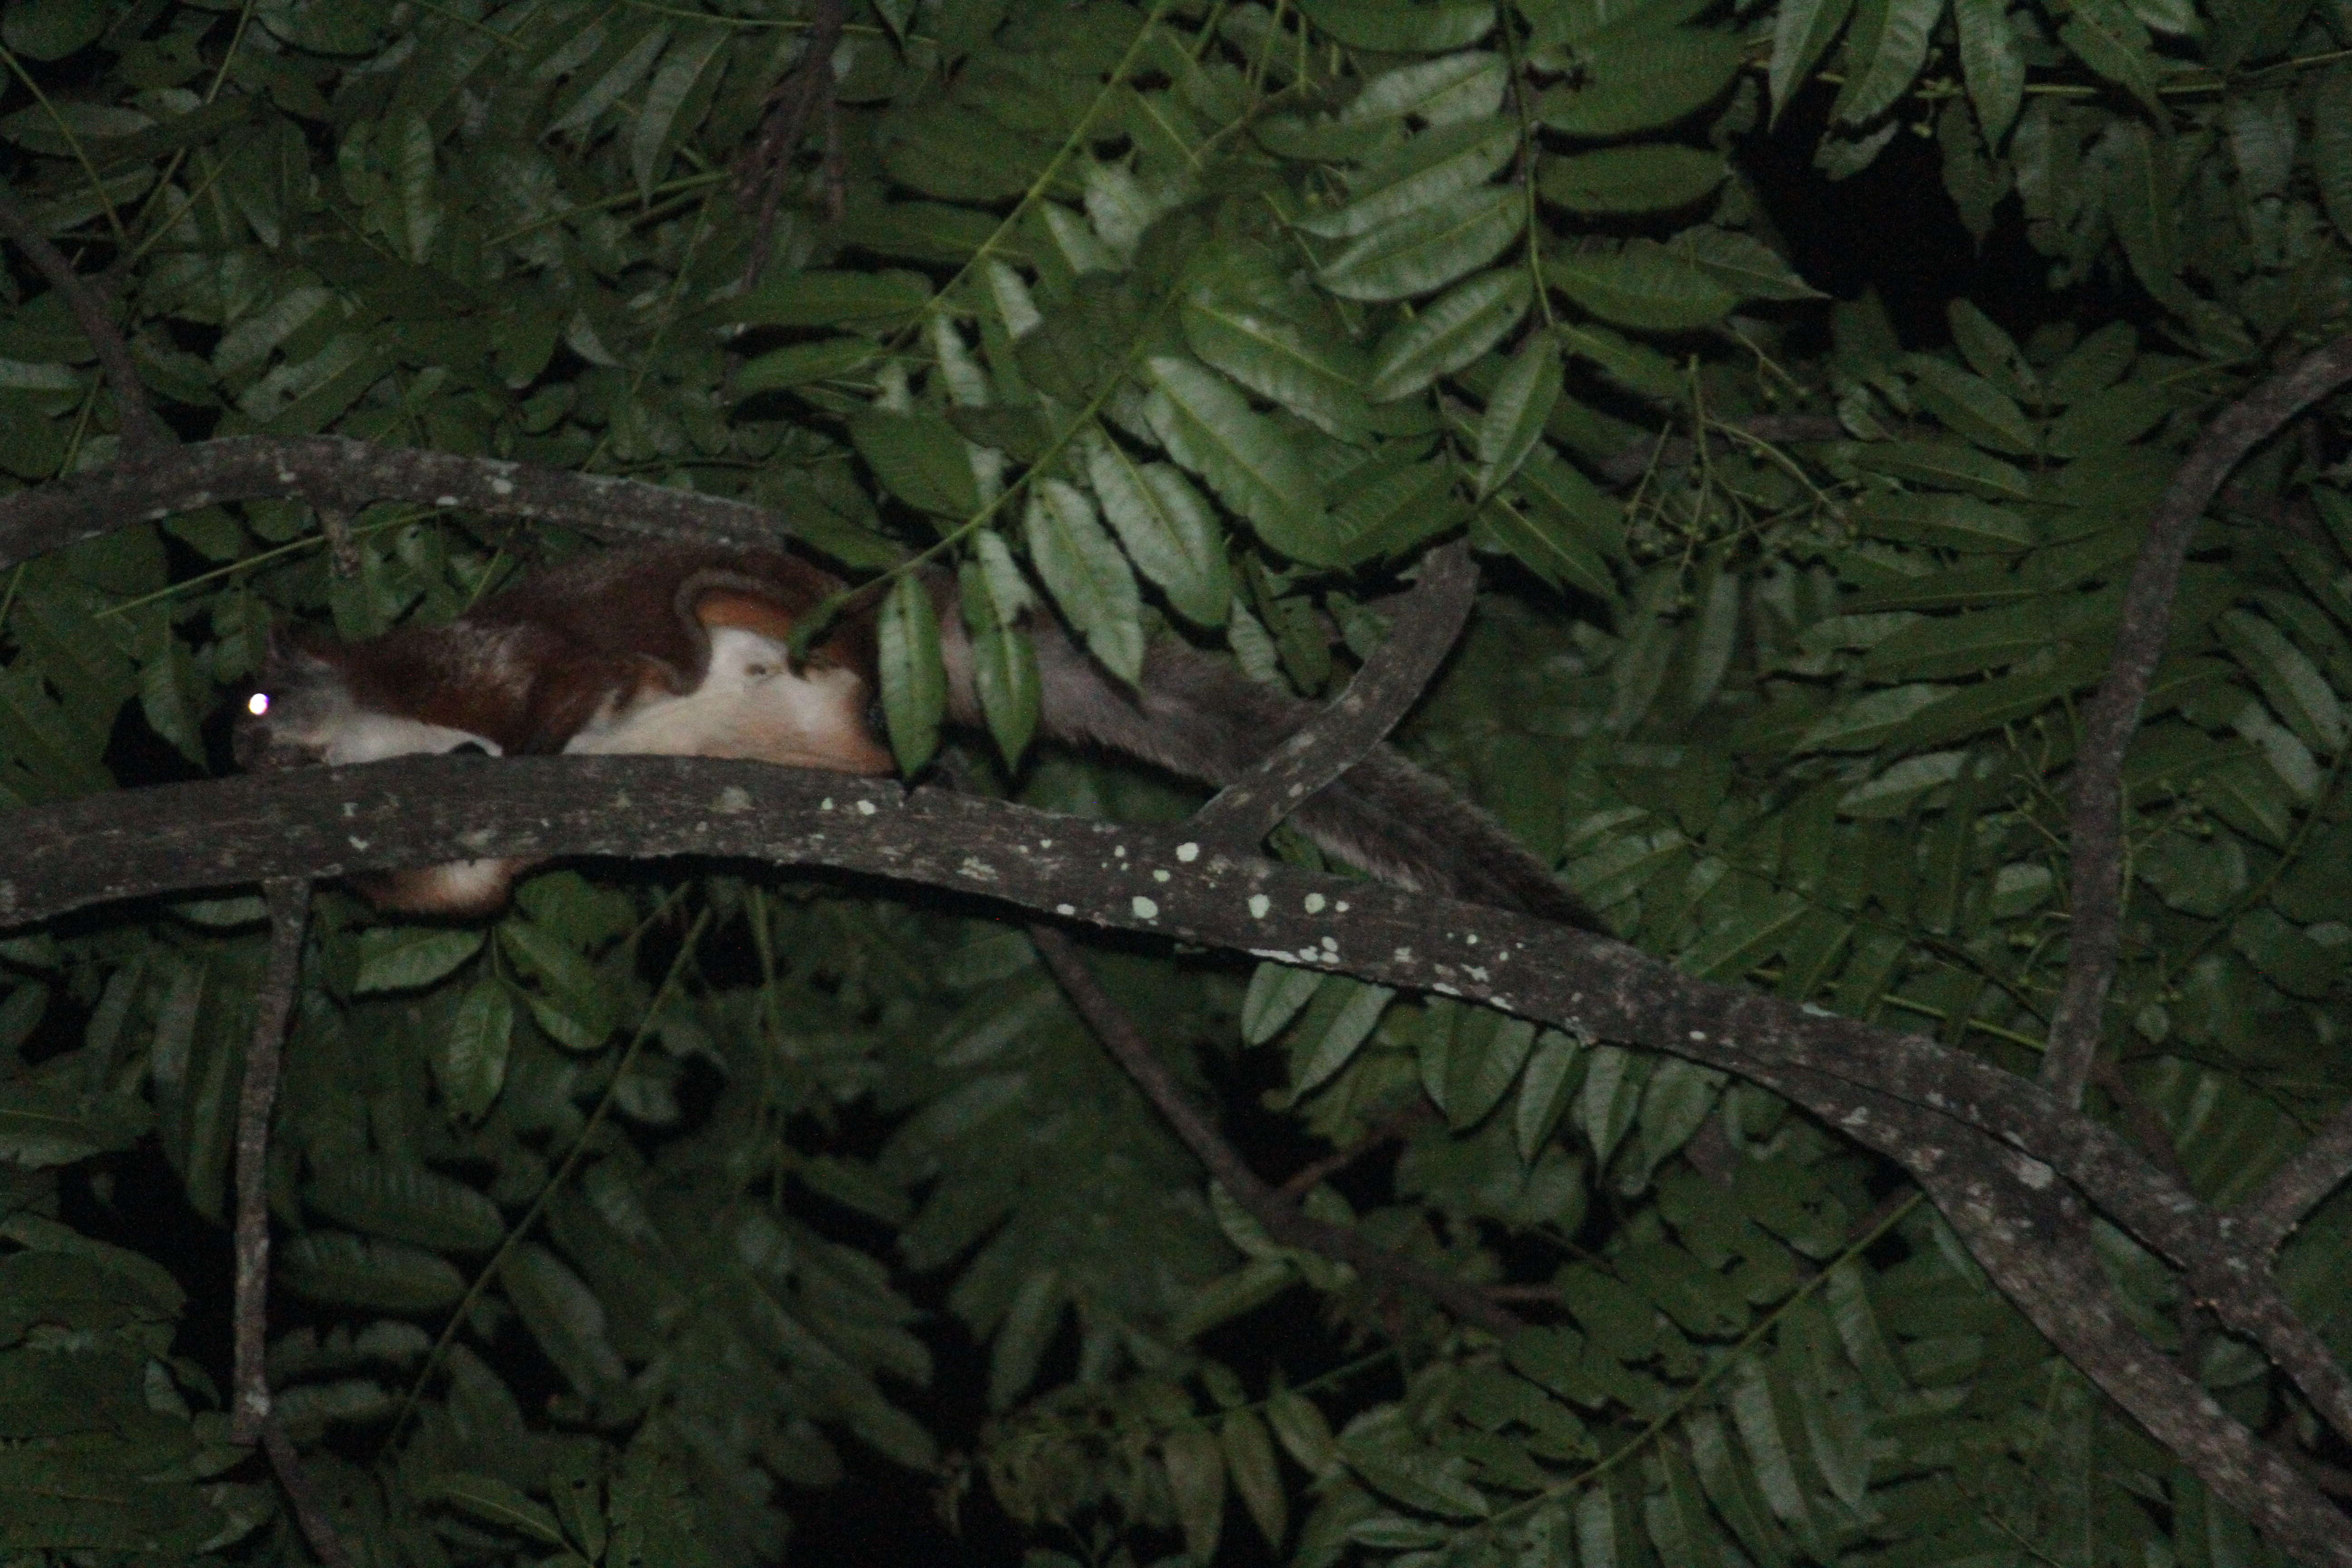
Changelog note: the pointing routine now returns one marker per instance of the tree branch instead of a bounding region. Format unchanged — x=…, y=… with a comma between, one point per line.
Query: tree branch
x=1901, y=1095
x=766, y=165
x=289, y=909
x=1423, y=628
x=2310, y=1174
x=329, y=471
x=140, y=430
x=318, y=1529
x=2108, y=720
x=1271, y=1209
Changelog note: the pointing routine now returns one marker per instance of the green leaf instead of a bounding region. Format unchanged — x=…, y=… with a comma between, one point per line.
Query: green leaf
x=1247, y=458
x=1277, y=993
x=1317, y=376
x=1398, y=28
x=1564, y=532
x=1427, y=248
x=378, y=1197
x=1637, y=76
x=831, y=300
x=914, y=675
x=2331, y=145
x=1003, y=661
x=1305, y=1435
x=1331, y=1036
x=1740, y=262
x=1894, y=64
x=1249, y=1458
x=1543, y=1092
x=1802, y=30
x=1403, y=179
x=1970, y=405
x=43, y=1125
x=563, y=1316
x=655, y=132
x=1196, y=1484
x=1089, y=579
x=1516, y=411
x=1165, y=527
x=378, y=1275
x=1608, y=1100
x=800, y=364
x=2296, y=691
x=1993, y=61
x=469, y=1062
x=1482, y=1067
x=1451, y=331
x=2106, y=36
x=1644, y=285
x=921, y=459
x=493, y=1501
x=2140, y=203
x=1630, y=179
x=1946, y=465
x=404, y=958
x=1022, y=1337
x=52, y=29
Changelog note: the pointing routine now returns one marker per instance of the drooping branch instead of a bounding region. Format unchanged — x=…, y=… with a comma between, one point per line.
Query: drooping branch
x=1271, y=1209
x=289, y=910
x=329, y=471
x=2095, y=807
x=1904, y=1096
x=2310, y=1174
x=140, y=431
x=1423, y=628
x=765, y=167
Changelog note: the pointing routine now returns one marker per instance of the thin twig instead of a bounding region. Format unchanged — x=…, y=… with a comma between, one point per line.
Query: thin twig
x=317, y=1527
x=1284, y=1224
x=289, y=909
x=1406, y=1121
x=139, y=428
x=766, y=165
x=2310, y=1174
x=1421, y=631
x=2113, y=713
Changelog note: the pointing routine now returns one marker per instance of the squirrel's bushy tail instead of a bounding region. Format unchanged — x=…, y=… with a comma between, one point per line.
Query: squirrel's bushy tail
x=1202, y=720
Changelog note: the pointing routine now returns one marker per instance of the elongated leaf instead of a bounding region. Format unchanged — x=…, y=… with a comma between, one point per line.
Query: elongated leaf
x=1429, y=167
x=1428, y=248
x=1317, y=378
x=1165, y=527
x=1318, y=1053
x=1644, y=285
x=1802, y=30
x=403, y=958
x=2331, y=145
x=469, y=1063
x=1089, y=579
x=1514, y=421
x=1641, y=78
x=493, y=1501
x=1196, y=1482
x=1004, y=664
x=382, y=1276
x=914, y=675
x=1277, y=993
x=1450, y=333
x=1543, y=1092
x=1247, y=460
x=2106, y=36
x=1630, y=179
x=1902, y=49
x=1249, y=1458
x=922, y=459
x=1394, y=27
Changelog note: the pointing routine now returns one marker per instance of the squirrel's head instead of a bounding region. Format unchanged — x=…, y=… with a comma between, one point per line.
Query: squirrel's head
x=303, y=711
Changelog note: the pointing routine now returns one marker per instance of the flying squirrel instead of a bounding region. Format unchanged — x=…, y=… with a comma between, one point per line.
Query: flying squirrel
x=683, y=650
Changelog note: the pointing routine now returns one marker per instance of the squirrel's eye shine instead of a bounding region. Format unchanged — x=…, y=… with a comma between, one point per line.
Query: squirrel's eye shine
x=257, y=704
